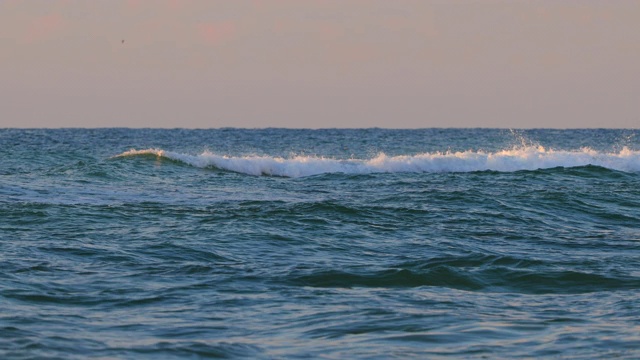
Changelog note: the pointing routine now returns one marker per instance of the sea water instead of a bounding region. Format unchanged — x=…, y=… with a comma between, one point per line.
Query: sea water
x=356, y=243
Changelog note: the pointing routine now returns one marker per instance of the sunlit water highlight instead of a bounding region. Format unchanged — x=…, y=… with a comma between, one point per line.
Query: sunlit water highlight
x=363, y=243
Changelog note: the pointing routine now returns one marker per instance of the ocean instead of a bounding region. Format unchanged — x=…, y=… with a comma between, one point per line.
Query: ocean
x=332, y=243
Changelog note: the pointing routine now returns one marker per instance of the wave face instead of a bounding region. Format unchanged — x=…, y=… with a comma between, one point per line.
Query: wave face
x=426, y=243
x=528, y=158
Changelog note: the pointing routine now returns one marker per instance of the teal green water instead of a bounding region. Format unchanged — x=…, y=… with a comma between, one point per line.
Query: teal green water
x=362, y=243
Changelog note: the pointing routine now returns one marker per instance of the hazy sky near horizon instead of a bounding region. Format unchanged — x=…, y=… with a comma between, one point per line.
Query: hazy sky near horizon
x=319, y=63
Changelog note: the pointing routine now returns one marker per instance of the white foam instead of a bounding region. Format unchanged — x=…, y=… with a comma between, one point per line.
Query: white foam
x=526, y=158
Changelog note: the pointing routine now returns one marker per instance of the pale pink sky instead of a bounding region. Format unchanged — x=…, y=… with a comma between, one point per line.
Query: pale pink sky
x=322, y=63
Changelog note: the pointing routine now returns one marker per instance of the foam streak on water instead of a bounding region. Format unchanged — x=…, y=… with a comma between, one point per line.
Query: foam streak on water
x=359, y=244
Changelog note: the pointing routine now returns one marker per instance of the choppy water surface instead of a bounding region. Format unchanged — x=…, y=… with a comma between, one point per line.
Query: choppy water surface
x=371, y=243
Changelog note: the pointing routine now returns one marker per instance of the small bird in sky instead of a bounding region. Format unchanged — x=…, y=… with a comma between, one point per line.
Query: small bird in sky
x=123, y=41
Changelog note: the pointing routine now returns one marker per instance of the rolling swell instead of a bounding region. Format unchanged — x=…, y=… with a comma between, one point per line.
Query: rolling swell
x=486, y=277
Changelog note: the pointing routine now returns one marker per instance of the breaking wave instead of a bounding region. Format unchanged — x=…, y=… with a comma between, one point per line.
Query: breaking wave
x=528, y=158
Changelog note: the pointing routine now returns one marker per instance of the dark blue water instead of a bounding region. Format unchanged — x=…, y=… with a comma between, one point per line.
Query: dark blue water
x=363, y=243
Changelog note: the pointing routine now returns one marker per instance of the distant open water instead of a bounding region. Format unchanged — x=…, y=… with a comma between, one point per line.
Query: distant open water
x=342, y=244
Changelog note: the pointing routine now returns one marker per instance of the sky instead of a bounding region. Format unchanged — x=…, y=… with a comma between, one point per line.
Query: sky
x=319, y=63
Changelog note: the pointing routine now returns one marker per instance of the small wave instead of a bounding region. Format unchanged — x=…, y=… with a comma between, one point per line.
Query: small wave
x=527, y=158
x=474, y=273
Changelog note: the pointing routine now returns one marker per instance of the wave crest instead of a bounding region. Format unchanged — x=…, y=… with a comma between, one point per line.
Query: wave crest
x=528, y=158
